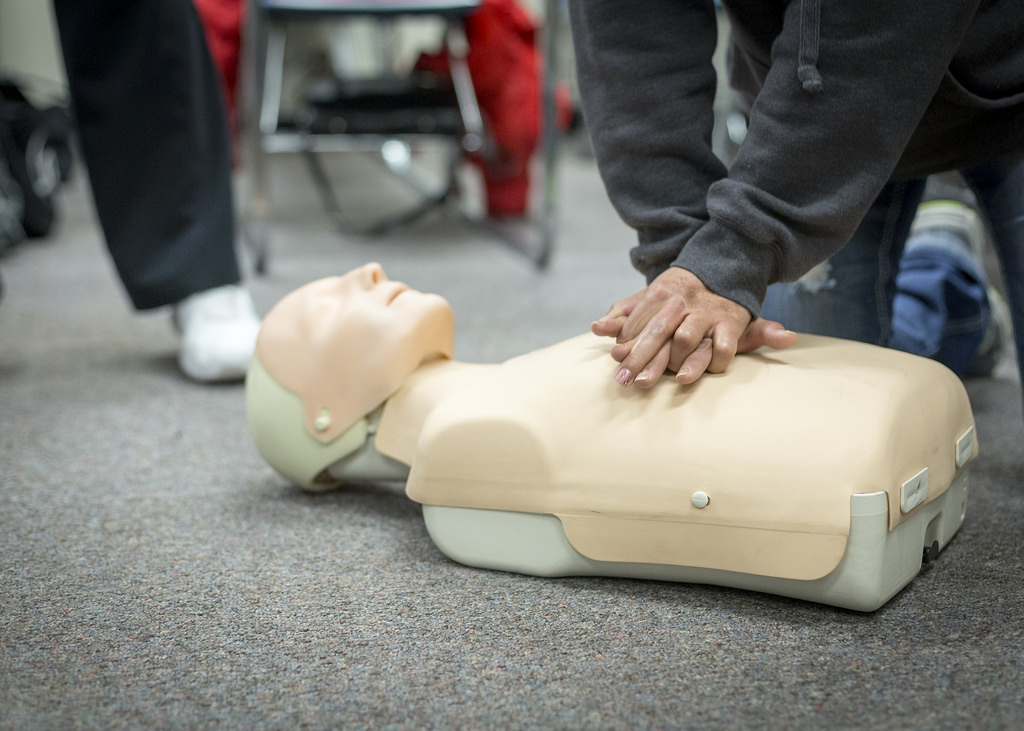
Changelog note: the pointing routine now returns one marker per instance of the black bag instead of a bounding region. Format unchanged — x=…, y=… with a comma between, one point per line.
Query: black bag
x=35, y=144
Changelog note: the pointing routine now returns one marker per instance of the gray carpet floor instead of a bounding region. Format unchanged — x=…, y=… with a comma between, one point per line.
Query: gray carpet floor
x=155, y=573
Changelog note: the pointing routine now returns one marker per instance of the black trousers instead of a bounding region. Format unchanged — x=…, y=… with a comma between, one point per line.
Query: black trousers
x=153, y=131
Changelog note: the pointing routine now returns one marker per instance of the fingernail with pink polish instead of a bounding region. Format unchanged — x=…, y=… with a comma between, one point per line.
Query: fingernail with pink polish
x=624, y=376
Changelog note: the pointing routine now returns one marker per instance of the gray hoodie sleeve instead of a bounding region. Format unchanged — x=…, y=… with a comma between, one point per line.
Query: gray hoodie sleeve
x=844, y=88
x=648, y=88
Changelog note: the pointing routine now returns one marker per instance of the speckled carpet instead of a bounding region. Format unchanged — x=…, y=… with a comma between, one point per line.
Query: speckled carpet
x=155, y=573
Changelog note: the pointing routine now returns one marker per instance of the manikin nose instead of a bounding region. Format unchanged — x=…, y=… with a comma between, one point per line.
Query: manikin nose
x=372, y=274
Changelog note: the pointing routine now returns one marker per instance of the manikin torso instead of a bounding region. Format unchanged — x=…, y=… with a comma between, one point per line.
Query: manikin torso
x=551, y=432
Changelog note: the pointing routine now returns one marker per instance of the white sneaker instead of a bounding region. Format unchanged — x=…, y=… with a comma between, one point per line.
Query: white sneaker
x=218, y=333
x=956, y=217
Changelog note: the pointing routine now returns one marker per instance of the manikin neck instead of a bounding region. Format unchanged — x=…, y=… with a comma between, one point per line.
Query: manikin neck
x=408, y=408
x=393, y=429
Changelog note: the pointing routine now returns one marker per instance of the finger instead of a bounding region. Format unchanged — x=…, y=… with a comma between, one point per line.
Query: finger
x=762, y=332
x=723, y=346
x=652, y=372
x=649, y=343
x=608, y=326
x=611, y=322
x=696, y=363
x=640, y=316
x=621, y=350
x=687, y=338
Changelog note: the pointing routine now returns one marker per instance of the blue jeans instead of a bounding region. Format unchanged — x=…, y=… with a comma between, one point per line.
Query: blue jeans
x=999, y=187
x=852, y=295
x=941, y=308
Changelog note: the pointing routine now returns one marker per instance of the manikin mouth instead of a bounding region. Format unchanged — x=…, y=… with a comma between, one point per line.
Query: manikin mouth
x=398, y=289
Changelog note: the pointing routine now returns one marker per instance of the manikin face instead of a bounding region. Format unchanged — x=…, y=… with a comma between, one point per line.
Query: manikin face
x=345, y=344
x=370, y=314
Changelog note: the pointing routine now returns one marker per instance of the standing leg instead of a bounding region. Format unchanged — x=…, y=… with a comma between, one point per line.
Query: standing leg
x=999, y=187
x=151, y=120
x=150, y=113
x=851, y=294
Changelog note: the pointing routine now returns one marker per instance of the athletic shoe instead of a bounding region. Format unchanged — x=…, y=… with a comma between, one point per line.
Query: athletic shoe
x=953, y=216
x=958, y=216
x=218, y=333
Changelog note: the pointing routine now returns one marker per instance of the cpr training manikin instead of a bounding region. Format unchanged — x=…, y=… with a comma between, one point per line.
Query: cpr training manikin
x=827, y=471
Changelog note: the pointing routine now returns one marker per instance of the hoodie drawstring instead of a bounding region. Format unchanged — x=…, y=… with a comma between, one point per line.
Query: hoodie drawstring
x=810, y=22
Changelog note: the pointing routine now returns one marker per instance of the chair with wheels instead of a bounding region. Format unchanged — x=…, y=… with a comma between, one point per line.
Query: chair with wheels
x=390, y=115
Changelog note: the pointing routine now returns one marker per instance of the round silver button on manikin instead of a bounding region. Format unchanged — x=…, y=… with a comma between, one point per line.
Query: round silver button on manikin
x=700, y=499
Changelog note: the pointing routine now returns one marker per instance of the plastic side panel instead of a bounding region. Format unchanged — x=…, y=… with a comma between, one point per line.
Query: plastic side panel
x=876, y=565
x=781, y=553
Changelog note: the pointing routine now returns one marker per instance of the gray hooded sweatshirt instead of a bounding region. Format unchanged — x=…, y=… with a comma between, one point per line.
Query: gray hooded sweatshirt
x=845, y=95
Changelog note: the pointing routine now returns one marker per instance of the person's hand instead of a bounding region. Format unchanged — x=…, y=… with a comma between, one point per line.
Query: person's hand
x=677, y=324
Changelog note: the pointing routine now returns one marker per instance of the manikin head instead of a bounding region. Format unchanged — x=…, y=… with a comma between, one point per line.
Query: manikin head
x=330, y=353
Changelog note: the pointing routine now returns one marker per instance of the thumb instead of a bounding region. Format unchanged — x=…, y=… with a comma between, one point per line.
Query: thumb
x=765, y=332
